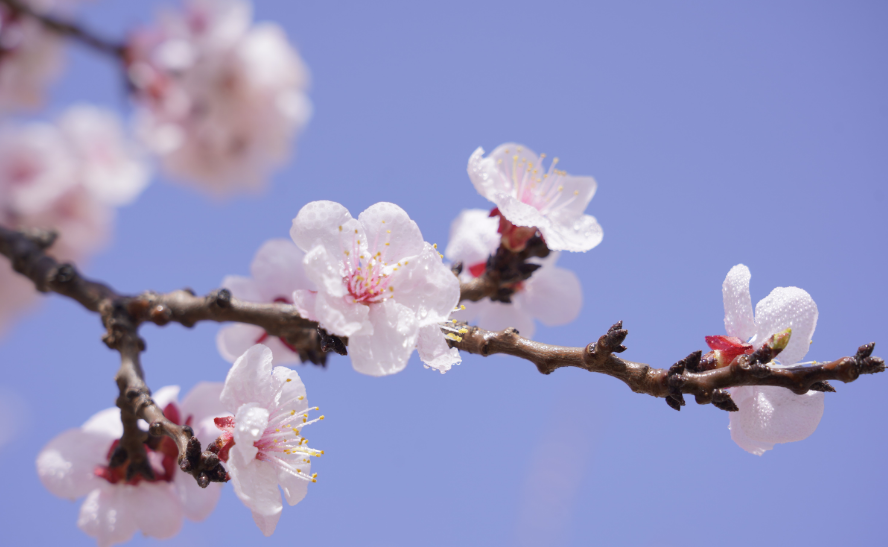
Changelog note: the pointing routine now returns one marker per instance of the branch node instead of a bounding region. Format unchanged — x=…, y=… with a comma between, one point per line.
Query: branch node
x=330, y=342
x=221, y=298
x=823, y=386
x=156, y=428
x=722, y=399
x=64, y=274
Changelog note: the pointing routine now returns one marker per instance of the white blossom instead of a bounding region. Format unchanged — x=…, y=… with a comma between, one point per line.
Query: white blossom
x=31, y=58
x=552, y=295
x=378, y=283
x=770, y=415
x=270, y=410
x=75, y=464
x=529, y=196
x=277, y=272
x=219, y=100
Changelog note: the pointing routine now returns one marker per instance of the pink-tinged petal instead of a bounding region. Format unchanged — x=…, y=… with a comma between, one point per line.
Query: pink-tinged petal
x=342, y=316
x=256, y=485
x=426, y=286
x=155, y=507
x=202, y=404
x=387, y=350
x=318, y=224
x=277, y=269
x=390, y=232
x=577, y=235
x=553, y=295
x=197, y=503
x=324, y=269
x=787, y=307
x=523, y=214
x=106, y=516
x=739, y=320
x=577, y=192
x=776, y=415
x=250, y=422
x=306, y=303
x=243, y=288
x=484, y=176
x=757, y=448
x=247, y=381
x=283, y=355
x=434, y=351
x=294, y=487
x=166, y=395
x=66, y=464
x=105, y=423
x=473, y=237
x=233, y=340
x=292, y=394
x=497, y=316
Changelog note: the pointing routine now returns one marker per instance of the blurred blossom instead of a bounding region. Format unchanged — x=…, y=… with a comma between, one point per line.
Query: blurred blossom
x=552, y=295
x=277, y=272
x=220, y=99
x=770, y=415
x=528, y=196
x=30, y=58
x=378, y=283
x=75, y=464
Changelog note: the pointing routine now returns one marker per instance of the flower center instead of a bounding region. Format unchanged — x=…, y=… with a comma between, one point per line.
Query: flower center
x=544, y=192
x=365, y=273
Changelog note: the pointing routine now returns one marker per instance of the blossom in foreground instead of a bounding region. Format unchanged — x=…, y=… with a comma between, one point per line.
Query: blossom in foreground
x=769, y=415
x=552, y=294
x=75, y=464
x=529, y=198
x=277, y=272
x=264, y=444
x=220, y=99
x=378, y=283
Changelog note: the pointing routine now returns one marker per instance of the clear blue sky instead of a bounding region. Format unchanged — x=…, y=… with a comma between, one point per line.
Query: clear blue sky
x=719, y=133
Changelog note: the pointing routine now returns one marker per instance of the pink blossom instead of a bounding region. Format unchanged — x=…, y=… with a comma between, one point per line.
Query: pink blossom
x=528, y=196
x=31, y=58
x=276, y=271
x=268, y=450
x=219, y=100
x=770, y=415
x=552, y=294
x=75, y=464
x=378, y=283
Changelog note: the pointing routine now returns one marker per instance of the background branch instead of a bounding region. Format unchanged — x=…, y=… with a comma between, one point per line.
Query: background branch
x=67, y=29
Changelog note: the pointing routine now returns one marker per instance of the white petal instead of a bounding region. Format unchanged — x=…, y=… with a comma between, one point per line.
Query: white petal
x=233, y=340
x=66, y=464
x=553, y=295
x=256, y=486
x=277, y=269
x=197, y=503
x=243, y=288
x=292, y=394
x=577, y=235
x=105, y=516
x=776, y=415
x=318, y=224
x=282, y=354
x=342, y=316
x=248, y=381
x=787, y=307
x=523, y=214
x=739, y=320
x=739, y=436
x=306, y=303
x=434, y=351
x=426, y=286
x=485, y=177
x=105, y=422
x=387, y=350
x=166, y=395
x=386, y=223
x=266, y=524
x=579, y=190
x=155, y=507
x=294, y=488
x=202, y=404
x=250, y=422
x=473, y=237
x=497, y=316
x=324, y=269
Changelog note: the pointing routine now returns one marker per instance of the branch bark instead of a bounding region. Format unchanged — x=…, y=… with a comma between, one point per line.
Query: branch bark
x=67, y=29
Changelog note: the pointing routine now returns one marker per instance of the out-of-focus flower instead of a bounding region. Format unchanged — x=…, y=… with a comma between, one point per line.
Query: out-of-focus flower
x=529, y=198
x=770, y=415
x=268, y=449
x=75, y=464
x=219, y=100
x=277, y=272
x=378, y=283
x=30, y=57
x=552, y=294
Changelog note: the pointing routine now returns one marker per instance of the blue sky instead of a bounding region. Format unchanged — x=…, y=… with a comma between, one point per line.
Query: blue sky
x=719, y=133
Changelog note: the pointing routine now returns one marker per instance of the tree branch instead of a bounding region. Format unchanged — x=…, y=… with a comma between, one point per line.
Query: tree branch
x=67, y=29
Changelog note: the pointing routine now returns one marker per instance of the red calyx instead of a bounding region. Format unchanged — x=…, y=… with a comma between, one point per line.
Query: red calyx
x=730, y=347
x=514, y=238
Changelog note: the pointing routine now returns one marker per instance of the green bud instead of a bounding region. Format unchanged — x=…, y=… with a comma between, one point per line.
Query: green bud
x=779, y=341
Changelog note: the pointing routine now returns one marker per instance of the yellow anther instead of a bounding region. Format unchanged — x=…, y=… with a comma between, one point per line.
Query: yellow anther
x=462, y=306
x=576, y=192
x=356, y=230
x=340, y=228
x=300, y=397
x=453, y=321
x=289, y=380
x=388, y=231
x=292, y=412
x=560, y=188
x=542, y=156
x=387, y=244
x=463, y=331
x=314, y=480
x=314, y=475
x=278, y=430
x=391, y=289
x=321, y=418
x=383, y=222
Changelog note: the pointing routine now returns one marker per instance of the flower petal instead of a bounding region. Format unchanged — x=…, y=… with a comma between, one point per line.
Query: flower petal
x=553, y=295
x=248, y=380
x=757, y=448
x=578, y=235
x=105, y=516
x=317, y=224
x=497, y=316
x=787, y=307
x=306, y=303
x=774, y=415
x=243, y=288
x=197, y=502
x=155, y=507
x=278, y=271
x=166, y=395
x=106, y=423
x=342, y=316
x=202, y=404
x=292, y=394
x=324, y=269
x=582, y=189
x=426, y=286
x=249, y=425
x=434, y=351
x=256, y=485
x=473, y=237
x=266, y=524
x=283, y=355
x=390, y=231
x=232, y=341
x=387, y=350
x=486, y=177
x=739, y=320
x=66, y=464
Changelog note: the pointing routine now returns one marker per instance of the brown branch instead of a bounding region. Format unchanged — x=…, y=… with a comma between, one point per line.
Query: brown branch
x=67, y=29
x=505, y=270
x=706, y=387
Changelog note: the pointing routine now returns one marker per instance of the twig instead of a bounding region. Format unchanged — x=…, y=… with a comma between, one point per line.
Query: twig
x=67, y=29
